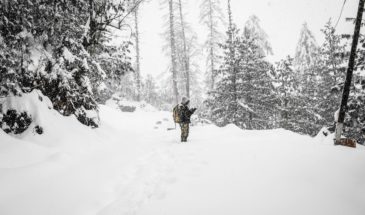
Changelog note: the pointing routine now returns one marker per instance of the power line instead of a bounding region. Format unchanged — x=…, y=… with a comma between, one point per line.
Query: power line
x=339, y=17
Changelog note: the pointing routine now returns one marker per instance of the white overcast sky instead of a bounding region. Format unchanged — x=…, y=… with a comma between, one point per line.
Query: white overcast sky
x=281, y=19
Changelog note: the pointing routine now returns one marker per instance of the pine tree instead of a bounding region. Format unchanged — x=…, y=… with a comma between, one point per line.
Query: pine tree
x=252, y=28
x=287, y=91
x=306, y=50
x=306, y=61
x=212, y=17
x=70, y=39
x=306, y=64
x=223, y=101
x=116, y=63
x=244, y=94
x=332, y=71
x=256, y=88
x=295, y=113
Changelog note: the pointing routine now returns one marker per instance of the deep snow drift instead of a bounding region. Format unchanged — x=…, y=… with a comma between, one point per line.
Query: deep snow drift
x=133, y=165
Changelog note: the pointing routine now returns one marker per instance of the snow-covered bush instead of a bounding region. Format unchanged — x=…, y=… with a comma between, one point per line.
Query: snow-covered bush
x=20, y=113
x=14, y=122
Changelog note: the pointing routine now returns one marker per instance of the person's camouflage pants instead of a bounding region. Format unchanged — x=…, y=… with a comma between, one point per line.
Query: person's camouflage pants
x=184, y=131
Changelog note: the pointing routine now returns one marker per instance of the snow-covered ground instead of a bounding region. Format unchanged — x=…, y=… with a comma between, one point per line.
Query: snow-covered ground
x=133, y=165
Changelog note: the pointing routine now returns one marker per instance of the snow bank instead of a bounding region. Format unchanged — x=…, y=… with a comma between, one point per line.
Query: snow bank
x=132, y=164
x=15, y=153
x=262, y=173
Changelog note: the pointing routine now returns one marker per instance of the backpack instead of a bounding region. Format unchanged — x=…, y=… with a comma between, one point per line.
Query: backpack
x=176, y=114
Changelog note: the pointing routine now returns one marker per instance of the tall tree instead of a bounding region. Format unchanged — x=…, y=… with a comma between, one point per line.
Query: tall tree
x=306, y=50
x=244, y=94
x=186, y=63
x=230, y=20
x=332, y=71
x=294, y=109
x=223, y=102
x=252, y=28
x=173, y=50
x=306, y=63
x=211, y=15
x=286, y=89
x=297, y=111
x=137, y=48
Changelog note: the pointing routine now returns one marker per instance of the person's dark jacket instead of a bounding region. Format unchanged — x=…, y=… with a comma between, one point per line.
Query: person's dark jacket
x=185, y=113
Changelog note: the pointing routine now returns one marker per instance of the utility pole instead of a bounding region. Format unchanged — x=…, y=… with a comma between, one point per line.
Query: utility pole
x=350, y=70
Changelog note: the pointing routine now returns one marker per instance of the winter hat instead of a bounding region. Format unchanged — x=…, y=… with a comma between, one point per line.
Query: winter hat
x=184, y=100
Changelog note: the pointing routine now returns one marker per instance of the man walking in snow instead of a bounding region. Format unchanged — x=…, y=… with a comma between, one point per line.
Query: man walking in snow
x=184, y=113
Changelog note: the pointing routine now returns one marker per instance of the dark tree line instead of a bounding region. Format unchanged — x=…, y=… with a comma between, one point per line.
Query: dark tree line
x=60, y=48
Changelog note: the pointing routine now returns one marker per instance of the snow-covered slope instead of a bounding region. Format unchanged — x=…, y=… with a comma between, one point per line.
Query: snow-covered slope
x=133, y=165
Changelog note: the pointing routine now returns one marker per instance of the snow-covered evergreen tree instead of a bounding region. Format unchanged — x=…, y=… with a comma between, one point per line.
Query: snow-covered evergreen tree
x=59, y=48
x=295, y=109
x=253, y=29
x=332, y=71
x=307, y=69
x=287, y=90
x=244, y=94
x=306, y=52
x=224, y=99
x=306, y=62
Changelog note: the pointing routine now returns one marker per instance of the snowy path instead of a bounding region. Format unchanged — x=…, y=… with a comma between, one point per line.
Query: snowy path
x=133, y=166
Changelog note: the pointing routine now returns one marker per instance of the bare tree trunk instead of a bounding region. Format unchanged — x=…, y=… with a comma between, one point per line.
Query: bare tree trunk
x=185, y=54
x=230, y=24
x=211, y=44
x=231, y=53
x=230, y=34
x=211, y=16
x=92, y=24
x=173, y=52
x=138, y=70
x=212, y=71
